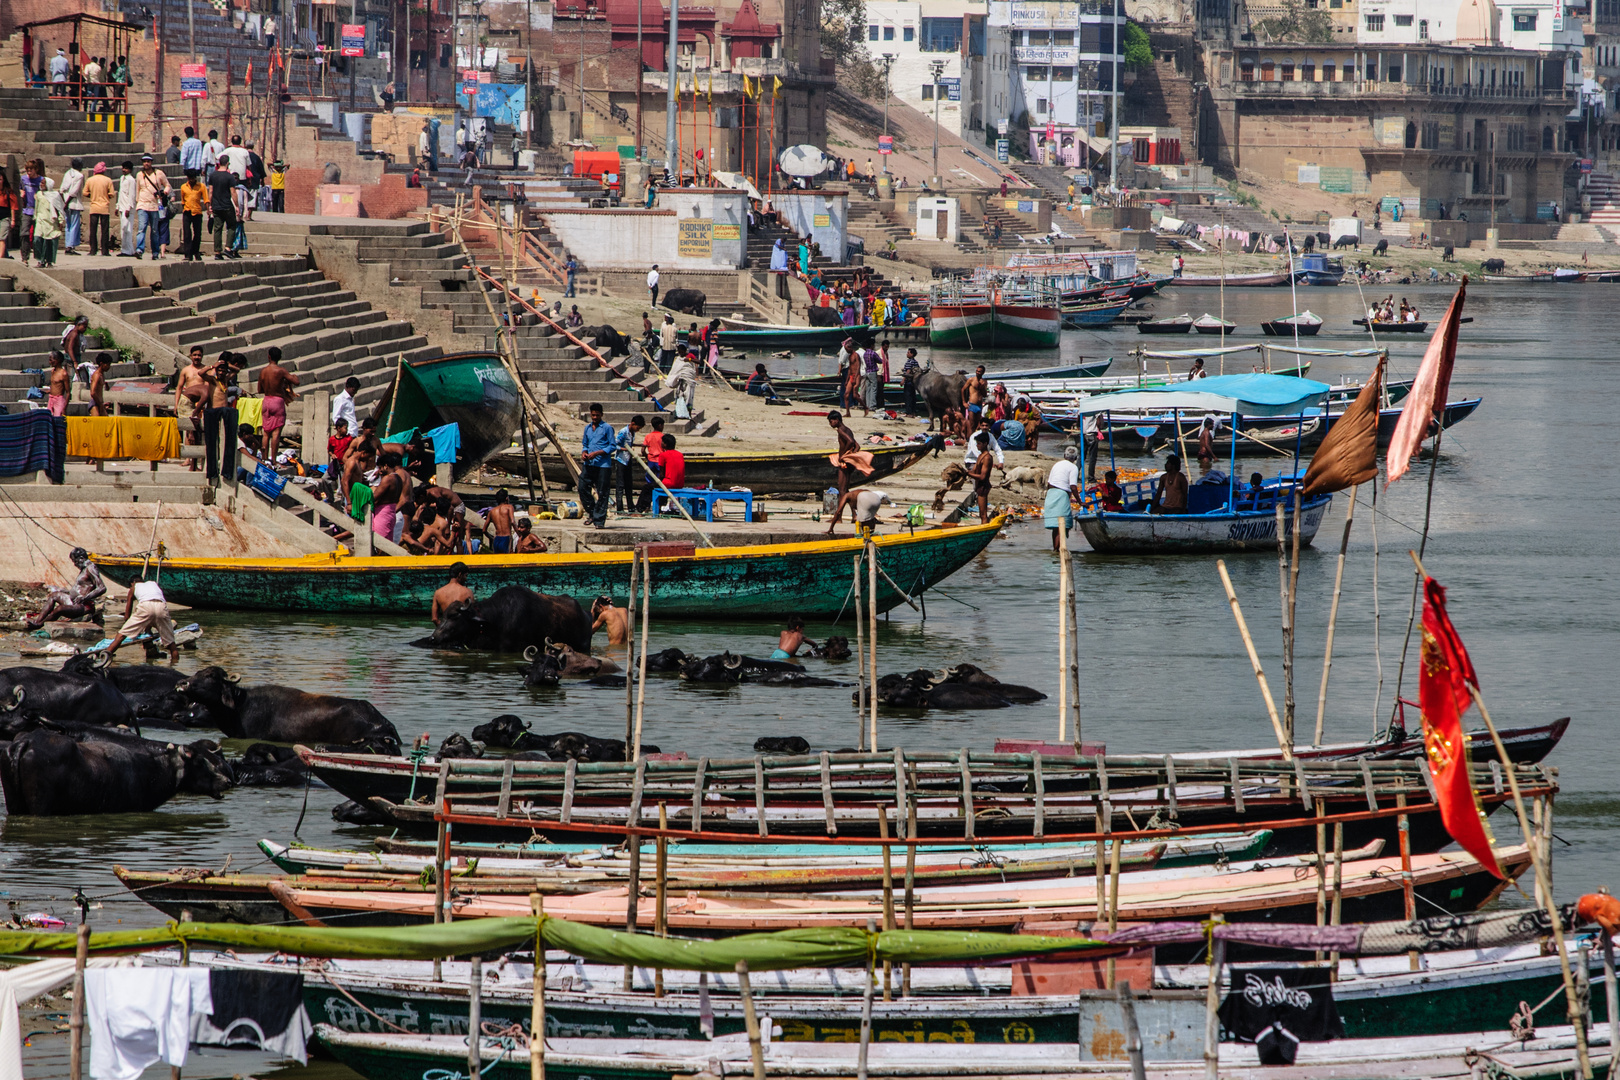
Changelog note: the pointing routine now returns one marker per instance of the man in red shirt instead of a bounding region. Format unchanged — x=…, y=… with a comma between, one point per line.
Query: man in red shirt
x=338, y=444
x=674, y=463
x=652, y=448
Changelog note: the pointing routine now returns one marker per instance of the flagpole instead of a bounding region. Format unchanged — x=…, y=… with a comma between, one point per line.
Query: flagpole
x=1538, y=863
x=1417, y=578
x=1333, y=616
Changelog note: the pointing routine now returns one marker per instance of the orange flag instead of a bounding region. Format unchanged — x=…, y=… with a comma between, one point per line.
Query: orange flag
x=1427, y=401
x=1348, y=454
x=247, y=80
x=1443, y=681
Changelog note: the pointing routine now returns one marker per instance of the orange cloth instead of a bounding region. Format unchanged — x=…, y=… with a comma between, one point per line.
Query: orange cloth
x=860, y=459
x=137, y=437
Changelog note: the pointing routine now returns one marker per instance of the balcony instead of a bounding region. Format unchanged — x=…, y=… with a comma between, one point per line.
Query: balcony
x=1365, y=88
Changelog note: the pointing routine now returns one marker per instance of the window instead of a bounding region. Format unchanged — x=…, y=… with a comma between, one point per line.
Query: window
x=1524, y=21
x=1063, y=74
x=1063, y=38
x=1392, y=73
x=908, y=34
x=1040, y=105
x=1327, y=71
x=1034, y=74
x=1423, y=29
x=872, y=32
x=1040, y=37
x=1287, y=71
x=1431, y=135
x=941, y=35
x=928, y=92
x=1268, y=72
x=1335, y=3
x=1403, y=20
x=1546, y=138
x=888, y=33
x=1375, y=24
x=1307, y=71
x=1372, y=71
x=1246, y=69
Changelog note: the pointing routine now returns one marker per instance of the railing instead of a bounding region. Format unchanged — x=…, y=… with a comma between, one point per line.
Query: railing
x=1369, y=87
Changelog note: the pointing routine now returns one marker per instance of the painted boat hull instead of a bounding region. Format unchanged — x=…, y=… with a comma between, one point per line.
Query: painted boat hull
x=471, y=390
x=1196, y=534
x=732, y=583
x=995, y=326
x=1166, y=326
x=1093, y=316
x=1284, y=328
x=737, y=334
x=805, y=473
x=1215, y=281
x=1394, y=327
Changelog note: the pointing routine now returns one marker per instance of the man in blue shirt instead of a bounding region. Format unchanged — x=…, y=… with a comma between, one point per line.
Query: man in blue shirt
x=624, y=486
x=191, y=151
x=595, y=468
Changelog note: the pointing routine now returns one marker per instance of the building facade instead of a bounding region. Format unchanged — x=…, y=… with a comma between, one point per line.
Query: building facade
x=913, y=38
x=1059, y=71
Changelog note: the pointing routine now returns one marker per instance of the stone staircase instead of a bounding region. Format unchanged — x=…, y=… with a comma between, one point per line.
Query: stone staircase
x=28, y=333
x=34, y=124
x=1604, y=189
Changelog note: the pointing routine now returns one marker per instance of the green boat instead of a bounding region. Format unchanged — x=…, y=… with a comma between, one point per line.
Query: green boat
x=752, y=582
x=472, y=390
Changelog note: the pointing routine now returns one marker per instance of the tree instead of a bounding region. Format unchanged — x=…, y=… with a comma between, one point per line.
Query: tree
x=1297, y=23
x=843, y=35
x=1138, y=49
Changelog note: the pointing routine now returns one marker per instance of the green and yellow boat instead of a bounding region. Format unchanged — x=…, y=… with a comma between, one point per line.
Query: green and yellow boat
x=754, y=582
x=472, y=390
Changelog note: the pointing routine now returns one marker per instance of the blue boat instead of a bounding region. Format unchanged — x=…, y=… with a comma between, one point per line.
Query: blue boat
x=1091, y=316
x=1318, y=269
x=1220, y=517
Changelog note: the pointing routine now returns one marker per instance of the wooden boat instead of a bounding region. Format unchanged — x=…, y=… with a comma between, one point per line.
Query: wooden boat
x=472, y=390
x=1209, y=324
x=1272, y=891
x=1305, y=323
x=1393, y=327
x=738, y=582
x=1315, y=268
x=1093, y=316
x=740, y=334
x=995, y=323
x=1097, y=1051
x=802, y=471
x=1231, y=281
x=1217, y=528
x=824, y=388
x=1179, y=324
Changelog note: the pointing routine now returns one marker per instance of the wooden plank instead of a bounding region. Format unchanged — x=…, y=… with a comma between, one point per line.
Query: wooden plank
x=759, y=794
x=1367, y=782
x=1170, y=785
x=503, y=807
x=1304, y=787
x=1237, y=787
x=899, y=792
x=1428, y=782
x=1040, y=797
x=567, y=813
x=636, y=791
x=826, y=792
x=697, y=794
x=1102, y=797
x=1496, y=775
x=967, y=794
x=444, y=779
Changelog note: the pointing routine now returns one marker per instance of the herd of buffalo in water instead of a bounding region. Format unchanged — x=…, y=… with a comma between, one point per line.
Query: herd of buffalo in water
x=73, y=740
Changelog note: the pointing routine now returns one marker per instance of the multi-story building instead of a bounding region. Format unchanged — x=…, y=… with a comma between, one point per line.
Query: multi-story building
x=1059, y=71
x=912, y=38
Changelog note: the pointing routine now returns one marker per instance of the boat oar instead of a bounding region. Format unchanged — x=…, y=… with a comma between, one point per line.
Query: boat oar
x=1254, y=660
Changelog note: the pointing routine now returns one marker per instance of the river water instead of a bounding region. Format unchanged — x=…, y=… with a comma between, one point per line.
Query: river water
x=1530, y=574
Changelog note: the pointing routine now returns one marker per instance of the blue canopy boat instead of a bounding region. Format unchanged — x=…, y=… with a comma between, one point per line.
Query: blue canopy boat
x=1219, y=516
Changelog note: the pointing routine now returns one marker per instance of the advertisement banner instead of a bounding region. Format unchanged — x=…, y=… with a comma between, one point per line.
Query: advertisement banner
x=696, y=240
x=885, y=144
x=1001, y=150
x=194, y=81
x=953, y=89
x=354, y=40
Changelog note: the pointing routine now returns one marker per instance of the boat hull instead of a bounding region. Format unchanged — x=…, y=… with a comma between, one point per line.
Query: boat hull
x=1284, y=328
x=731, y=583
x=995, y=326
x=1231, y=281
x=1169, y=326
x=1188, y=534
x=472, y=390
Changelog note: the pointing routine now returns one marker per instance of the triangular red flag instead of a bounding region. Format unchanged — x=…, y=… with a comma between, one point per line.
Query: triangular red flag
x=1444, y=676
x=1426, y=401
x=247, y=80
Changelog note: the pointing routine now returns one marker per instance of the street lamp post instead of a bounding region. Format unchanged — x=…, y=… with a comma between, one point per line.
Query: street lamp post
x=938, y=69
x=888, y=62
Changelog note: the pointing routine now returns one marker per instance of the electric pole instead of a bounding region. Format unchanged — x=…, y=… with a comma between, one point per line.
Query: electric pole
x=938, y=67
x=672, y=94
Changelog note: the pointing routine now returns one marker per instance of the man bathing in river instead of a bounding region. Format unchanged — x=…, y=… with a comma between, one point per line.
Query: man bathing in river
x=451, y=591
x=499, y=521
x=615, y=620
x=526, y=542
x=152, y=613
x=76, y=603
x=791, y=640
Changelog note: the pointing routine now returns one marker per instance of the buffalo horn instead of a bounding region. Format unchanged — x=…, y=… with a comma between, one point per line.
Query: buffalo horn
x=530, y=653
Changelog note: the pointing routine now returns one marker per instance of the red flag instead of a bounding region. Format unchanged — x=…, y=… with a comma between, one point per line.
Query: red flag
x=247, y=80
x=1427, y=401
x=84, y=57
x=1443, y=681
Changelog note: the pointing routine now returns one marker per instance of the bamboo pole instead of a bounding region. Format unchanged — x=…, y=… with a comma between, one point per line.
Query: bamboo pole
x=1073, y=614
x=81, y=956
x=1212, y=1001
x=537, y=1008
x=1611, y=991
x=1288, y=643
x=630, y=652
x=1321, y=870
x=751, y=1019
x=888, y=897
x=440, y=856
x=871, y=641
x=475, y=1015
x=1133, y=1034
x=911, y=876
x=1403, y=826
x=661, y=870
x=1254, y=660
x=866, y=1014
x=1063, y=632
x=861, y=686
x=641, y=669
x=1333, y=617
x=1338, y=889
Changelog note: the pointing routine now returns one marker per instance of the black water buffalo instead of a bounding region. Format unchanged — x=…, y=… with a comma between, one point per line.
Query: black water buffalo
x=458, y=746
x=825, y=316
x=686, y=301
x=727, y=667
x=968, y=675
x=940, y=392
x=666, y=660
x=511, y=620
x=56, y=770
x=507, y=732
x=1450, y=254
x=1347, y=241
x=285, y=714
x=921, y=689
x=785, y=744
x=349, y=812
x=834, y=648
x=1309, y=244
x=606, y=339
x=1493, y=266
x=151, y=692
x=267, y=765
x=1323, y=239
x=79, y=693
x=1381, y=248
x=571, y=663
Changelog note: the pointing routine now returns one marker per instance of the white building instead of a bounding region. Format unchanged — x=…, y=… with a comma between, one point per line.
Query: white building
x=1532, y=25
x=916, y=36
x=1059, y=70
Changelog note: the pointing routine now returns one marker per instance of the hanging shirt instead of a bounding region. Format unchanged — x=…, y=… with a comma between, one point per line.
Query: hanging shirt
x=263, y=1009
x=141, y=1016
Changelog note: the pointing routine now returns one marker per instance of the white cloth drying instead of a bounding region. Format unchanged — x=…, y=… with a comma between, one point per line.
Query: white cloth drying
x=20, y=984
x=140, y=1016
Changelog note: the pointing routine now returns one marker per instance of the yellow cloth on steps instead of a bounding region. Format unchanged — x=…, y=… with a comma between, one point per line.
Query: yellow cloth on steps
x=112, y=437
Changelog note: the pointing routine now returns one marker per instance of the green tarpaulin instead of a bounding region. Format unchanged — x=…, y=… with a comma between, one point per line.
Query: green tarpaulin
x=829, y=947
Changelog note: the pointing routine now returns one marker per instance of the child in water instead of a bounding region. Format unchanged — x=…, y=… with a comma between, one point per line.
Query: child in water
x=791, y=639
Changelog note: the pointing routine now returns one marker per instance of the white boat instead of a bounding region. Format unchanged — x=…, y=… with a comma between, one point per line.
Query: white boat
x=1209, y=324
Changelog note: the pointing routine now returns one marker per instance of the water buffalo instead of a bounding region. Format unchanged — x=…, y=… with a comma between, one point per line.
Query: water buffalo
x=349, y=812
x=1309, y=245
x=825, y=316
x=507, y=732
x=1347, y=241
x=151, y=692
x=940, y=392
x=80, y=692
x=834, y=648
x=1493, y=266
x=1381, y=248
x=266, y=765
x=543, y=670
x=607, y=340
x=572, y=663
x=727, y=667
x=56, y=770
x=667, y=660
x=511, y=620
x=921, y=689
x=786, y=744
x=285, y=714
x=686, y=301
x=968, y=675
x=458, y=746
